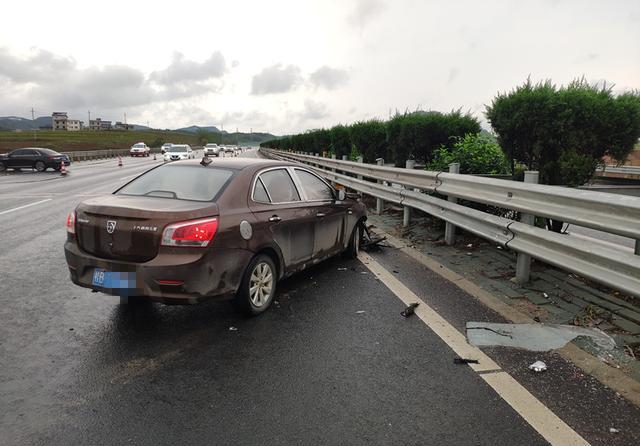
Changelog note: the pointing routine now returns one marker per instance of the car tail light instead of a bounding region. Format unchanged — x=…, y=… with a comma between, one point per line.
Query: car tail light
x=71, y=222
x=197, y=233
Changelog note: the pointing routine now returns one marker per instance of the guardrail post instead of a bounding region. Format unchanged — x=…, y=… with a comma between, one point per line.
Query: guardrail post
x=344, y=157
x=450, y=229
x=333, y=156
x=406, y=217
x=360, y=160
x=523, y=262
x=379, y=202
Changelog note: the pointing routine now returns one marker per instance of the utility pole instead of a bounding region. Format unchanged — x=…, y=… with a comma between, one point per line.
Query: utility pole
x=89, y=121
x=33, y=120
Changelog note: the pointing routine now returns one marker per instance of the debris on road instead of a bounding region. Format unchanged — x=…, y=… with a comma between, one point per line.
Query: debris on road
x=457, y=360
x=409, y=310
x=233, y=328
x=613, y=430
x=538, y=366
x=533, y=337
x=342, y=269
x=371, y=240
x=360, y=312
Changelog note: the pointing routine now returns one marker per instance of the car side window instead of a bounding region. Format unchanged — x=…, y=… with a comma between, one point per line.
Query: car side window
x=20, y=152
x=280, y=186
x=260, y=193
x=314, y=187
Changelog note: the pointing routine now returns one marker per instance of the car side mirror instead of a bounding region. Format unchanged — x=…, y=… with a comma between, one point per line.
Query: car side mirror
x=342, y=195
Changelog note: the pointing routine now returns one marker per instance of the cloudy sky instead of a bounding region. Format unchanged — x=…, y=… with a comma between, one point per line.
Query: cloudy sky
x=285, y=66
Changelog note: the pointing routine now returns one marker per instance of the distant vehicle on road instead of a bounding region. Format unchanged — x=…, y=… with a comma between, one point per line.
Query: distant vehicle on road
x=36, y=158
x=164, y=147
x=212, y=149
x=178, y=152
x=139, y=149
x=185, y=232
x=229, y=149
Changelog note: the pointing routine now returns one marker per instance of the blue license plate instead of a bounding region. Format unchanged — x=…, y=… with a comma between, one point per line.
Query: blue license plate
x=113, y=280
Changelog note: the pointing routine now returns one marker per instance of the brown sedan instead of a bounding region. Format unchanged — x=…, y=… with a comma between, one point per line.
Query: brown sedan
x=187, y=231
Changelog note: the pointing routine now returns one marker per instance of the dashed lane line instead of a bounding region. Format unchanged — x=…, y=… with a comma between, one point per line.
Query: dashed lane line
x=25, y=206
x=539, y=416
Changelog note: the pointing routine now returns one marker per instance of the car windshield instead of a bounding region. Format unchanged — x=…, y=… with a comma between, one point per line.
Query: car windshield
x=177, y=149
x=194, y=183
x=211, y=146
x=138, y=146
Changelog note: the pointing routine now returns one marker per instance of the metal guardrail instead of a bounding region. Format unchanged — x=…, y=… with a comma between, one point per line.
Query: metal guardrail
x=627, y=170
x=108, y=153
x=596, y=260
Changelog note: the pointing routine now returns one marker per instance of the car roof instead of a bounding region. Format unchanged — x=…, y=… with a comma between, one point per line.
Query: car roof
x=242, y=163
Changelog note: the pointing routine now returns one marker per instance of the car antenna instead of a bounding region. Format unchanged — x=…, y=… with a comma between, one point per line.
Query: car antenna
x=205, y=160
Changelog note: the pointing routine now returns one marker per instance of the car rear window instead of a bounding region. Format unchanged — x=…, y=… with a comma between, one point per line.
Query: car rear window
x=194, y=183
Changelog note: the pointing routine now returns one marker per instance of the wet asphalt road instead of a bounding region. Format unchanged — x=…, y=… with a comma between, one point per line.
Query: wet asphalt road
x=331, y=363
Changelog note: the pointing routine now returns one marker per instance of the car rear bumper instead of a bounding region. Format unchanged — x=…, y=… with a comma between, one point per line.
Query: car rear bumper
x=216, y=273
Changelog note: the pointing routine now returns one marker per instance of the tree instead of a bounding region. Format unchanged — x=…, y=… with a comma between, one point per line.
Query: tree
x=418, y=134
x=369, y=139
x=477, y=154
x=340, y=141
x=564, y=132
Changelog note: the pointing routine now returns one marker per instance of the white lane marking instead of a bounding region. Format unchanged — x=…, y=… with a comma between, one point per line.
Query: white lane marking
x=50, y=194
x=540, y=417
x=25, y=206
x=130, y=176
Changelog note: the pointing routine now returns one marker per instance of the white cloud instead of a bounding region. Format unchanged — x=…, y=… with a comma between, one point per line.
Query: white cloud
x=329, y=78
x=276, y=79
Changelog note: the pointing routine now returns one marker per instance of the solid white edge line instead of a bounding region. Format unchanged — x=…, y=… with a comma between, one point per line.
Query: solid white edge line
x=534, y=412
x=25, y=206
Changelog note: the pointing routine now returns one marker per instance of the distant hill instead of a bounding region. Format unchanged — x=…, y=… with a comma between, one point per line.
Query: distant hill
x=17, y=123
x=197, y=128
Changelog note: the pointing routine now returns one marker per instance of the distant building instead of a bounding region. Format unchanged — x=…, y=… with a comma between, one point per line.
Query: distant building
x=95, y=124
x=74, y=125
x=122, y=126
x=105, y=125
x=59, y=120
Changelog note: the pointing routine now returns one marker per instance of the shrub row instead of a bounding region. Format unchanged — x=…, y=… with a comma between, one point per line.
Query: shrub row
x=416, y=135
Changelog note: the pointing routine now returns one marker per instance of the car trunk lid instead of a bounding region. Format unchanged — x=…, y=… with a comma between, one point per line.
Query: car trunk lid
x=129, y=228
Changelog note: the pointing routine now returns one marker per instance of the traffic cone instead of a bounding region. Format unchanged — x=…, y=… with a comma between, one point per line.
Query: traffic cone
x=63, y=169
x=119, y=161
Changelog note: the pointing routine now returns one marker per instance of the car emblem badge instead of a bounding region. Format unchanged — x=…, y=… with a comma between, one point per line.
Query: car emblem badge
x=111, y=226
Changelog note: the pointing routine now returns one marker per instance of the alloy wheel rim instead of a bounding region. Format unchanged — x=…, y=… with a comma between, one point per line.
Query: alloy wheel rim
x=260, y=284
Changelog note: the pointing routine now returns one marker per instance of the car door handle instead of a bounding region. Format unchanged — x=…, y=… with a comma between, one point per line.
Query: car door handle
x=274, y=218
x=320, y=215
x=350, y=211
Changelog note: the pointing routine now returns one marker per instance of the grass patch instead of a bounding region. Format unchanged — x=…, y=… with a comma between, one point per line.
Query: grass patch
x=88, y=140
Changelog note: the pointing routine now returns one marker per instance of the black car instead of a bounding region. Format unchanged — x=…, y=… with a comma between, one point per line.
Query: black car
x=33, y=158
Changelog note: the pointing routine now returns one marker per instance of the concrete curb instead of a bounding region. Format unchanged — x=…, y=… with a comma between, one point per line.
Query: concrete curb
x=615, y=379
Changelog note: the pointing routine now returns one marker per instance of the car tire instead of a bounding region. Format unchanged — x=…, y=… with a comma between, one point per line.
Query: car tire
x=261, y=276
x=354, y=242
x=2, y=167
x=40, y=166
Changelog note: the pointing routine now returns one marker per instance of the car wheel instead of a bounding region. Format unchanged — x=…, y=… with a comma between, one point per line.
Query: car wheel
x=258, y=286
x=354, y=242
x=40, y=166
x=2, y=167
